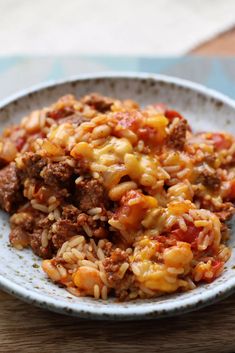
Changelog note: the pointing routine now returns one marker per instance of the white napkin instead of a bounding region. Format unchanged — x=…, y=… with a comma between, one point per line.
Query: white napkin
x=119, y=27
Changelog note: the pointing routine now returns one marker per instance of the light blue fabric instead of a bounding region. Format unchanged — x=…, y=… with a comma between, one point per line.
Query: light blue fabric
x=22, y=72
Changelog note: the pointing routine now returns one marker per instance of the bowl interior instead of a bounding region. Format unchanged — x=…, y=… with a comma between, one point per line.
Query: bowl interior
x=20, y=271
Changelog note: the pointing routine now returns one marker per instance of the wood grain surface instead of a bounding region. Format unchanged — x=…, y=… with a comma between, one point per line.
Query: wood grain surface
x=223, y=45
x=27, y=329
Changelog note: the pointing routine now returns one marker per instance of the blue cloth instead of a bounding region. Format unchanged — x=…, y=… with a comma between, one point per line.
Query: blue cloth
x=22, y=72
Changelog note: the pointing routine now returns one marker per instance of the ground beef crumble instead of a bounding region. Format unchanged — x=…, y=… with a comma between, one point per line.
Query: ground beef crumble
x=10, y=196
x=226, y=212
x=32, y=165
x=36, y=245
x=56, y=173
x=22, y=224
x=120, y=284
x=27, y=226
x=90, y=193
x=98, y=228
x=70, y=212
x=177, y=134
x=55, y=179
x=61, y=113
x=98, y=102
x=63, y=230
x=76, y=119
x=208, y=177
x=112, y=266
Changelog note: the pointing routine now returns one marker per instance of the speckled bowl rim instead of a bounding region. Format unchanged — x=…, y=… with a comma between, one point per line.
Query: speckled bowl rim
x=138, y=311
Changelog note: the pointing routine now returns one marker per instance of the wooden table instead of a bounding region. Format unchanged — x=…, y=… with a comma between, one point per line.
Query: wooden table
x=27, y=329
x=223, y=45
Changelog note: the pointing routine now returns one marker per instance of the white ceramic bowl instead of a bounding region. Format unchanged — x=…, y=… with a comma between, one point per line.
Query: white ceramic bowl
x=20, y=272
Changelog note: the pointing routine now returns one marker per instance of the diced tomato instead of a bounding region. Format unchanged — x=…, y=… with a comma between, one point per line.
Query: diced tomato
x=131, y=215
x=19, y=143
x=171, y=114
x=231, y=194
x=151, y=136
x=188, y=236
x=147, y=133
x=216, y=267
x=60, y=113
x=220, y=141
x=134, y=121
